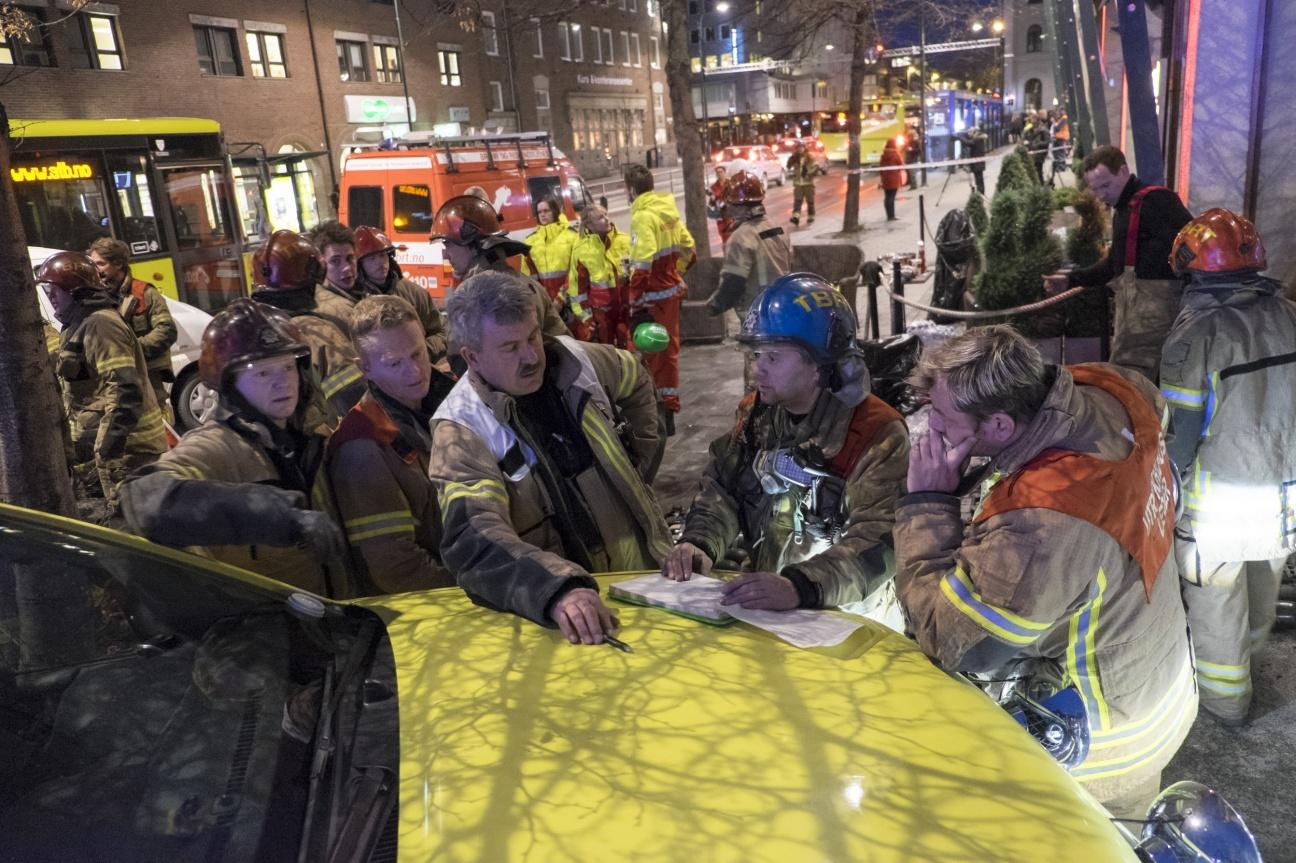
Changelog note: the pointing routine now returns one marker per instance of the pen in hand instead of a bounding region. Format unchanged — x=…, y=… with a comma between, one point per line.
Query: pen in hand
x=617, y=643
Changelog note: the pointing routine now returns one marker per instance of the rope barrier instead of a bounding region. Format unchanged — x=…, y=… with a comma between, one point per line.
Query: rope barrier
x=995, y=313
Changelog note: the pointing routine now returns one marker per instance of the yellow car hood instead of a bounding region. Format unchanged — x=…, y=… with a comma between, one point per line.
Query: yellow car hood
x=710, y=744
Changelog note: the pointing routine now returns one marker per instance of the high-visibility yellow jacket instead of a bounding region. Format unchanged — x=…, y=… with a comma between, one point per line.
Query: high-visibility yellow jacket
x=550, y=257
x=597, y=266
x=661, y=249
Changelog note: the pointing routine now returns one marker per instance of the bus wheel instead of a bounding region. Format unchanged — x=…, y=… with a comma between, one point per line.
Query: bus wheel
x=192, y=401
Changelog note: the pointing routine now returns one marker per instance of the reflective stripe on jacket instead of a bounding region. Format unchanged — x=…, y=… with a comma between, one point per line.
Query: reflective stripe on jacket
x=500, y=534
x=1035, y=583
x=759, y=252
x=661, y=249
x=1228, y=372
x=149, y=316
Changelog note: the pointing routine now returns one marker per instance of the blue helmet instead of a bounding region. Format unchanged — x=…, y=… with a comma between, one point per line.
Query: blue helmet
x=805, y=310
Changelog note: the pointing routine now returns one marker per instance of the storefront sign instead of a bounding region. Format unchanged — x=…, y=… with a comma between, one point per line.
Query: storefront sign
x=460, y=115
x=604, y=81
x=60, y=170
x=379, y=109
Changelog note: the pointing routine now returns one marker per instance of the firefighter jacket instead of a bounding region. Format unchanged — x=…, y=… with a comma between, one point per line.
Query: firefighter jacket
x=802, y=168
x=146, y=310
x=1067, y=561
x=597, y=267
x=758, y=252
x=505, y=512
x=105, y=381
x=661, y=249
x=228, y=490
x=1228, y=372
x=335, y=304
x=551, y=325
x=333, y=361
x=549, y=260
x=831, y=539
x=378, y=462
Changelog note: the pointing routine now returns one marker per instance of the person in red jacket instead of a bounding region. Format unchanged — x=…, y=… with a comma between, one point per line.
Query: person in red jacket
x=892, y=180
x=716, y=205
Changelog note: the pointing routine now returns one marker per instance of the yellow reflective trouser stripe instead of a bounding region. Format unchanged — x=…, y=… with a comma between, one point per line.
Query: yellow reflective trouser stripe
x=397, y=522
x=335, y=383
x=113, y=363
x=1224, y=679
x=999, y=622
x=629, y=374
x=483, y=488
x=149, y=425
x=52, y=343
x=1168, y=723
x=188, y=471
x=1081, y=661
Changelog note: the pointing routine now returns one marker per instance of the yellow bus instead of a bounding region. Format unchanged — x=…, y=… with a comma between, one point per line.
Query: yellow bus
x=164, y=186
x=880, y=119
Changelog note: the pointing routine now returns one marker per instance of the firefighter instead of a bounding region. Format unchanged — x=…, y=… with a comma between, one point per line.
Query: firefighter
x=802, y=167
x=116, y=423
x=246, y=487
x=285, y=272
x=469, y=227
x=661, y=249
x=596, y=284
x=378, y=457
x=144, y=309
x=380, y=274
x=538, y=458
x=1229, y=374
x=759, y=253
x=1065, y=568
x=808, y=479
x=1144, y=226
x=337, y=292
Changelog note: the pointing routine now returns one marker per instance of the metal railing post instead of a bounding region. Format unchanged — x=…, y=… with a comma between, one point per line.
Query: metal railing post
x=897, y=307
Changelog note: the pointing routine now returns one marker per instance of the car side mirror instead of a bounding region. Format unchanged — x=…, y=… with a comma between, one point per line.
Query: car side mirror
x=1189, y=822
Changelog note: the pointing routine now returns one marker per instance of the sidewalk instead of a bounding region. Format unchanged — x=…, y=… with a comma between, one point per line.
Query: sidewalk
x=878, y=237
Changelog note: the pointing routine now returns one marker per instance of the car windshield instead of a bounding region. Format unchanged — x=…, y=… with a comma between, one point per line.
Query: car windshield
x=145, y=702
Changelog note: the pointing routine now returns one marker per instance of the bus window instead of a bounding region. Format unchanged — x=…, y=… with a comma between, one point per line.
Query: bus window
x=139, y=224
x=198, y=206
x=541, y=186
x=251, y=212
x=411, y=209
x=365, y=207
x=62, y=200
x=580, y=196
x=295, y=180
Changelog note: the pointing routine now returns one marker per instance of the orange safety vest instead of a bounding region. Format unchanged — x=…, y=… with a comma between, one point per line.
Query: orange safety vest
x=1131, y=500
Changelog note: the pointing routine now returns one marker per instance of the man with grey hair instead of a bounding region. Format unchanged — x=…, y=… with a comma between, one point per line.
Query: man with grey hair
x=539, y=456
x=1065, y=570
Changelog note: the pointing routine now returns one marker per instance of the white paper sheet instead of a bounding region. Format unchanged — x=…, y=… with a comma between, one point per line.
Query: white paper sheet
x=802, y=627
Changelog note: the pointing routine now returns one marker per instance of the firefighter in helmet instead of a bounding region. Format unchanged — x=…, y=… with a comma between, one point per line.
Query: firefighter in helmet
x=1229, y=375
x=246, y=486
x=379, y=273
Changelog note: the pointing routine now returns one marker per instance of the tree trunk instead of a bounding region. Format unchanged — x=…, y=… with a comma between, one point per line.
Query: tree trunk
x=688, y=140
x=33, y=465
x=855, y=103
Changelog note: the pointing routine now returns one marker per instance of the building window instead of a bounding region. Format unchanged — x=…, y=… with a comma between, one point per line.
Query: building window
x=712, y=61
x=497, y=96
x=537, y=49
x=266, y=54
x=448, y=63
x=1034, y=39
x=95, y=42
x=570, y=46
x=542, y=100
x=598, y=47
x=621, y=4
x=695, y=64
x=724, y=31
x=387, y=63
x=650, y=6
x=760, y=37
x=490, y=37
x=758, y=7
x=693, y=7
x=634, y=5
x=726, y=59
x=352, y=65
x=29, y=49
x=1034, y=94
x=217, y=51
x=607, y=46
x=654, y=52
x=634, y=45
x=695, y=37
x=625, y=48
x=710, y=34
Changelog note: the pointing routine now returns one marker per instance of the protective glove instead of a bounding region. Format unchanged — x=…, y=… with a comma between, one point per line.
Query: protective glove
x=318, y=534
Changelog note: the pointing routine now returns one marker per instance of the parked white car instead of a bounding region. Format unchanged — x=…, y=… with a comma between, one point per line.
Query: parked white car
x=192, y=401
x=754, y=158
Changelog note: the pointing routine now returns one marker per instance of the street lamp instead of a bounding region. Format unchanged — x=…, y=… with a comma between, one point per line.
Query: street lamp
x=977, y=27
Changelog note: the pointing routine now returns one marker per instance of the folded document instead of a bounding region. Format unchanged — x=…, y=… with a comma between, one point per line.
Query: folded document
x=699, y=598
